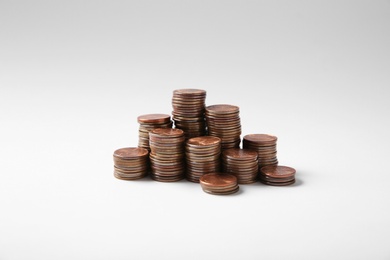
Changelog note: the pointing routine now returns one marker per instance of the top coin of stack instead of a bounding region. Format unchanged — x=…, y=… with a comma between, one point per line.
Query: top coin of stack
x=188, y=111
x=223, y=121
x=167, y=154
x=265, y=145
x=130, y=163
x=148, y=123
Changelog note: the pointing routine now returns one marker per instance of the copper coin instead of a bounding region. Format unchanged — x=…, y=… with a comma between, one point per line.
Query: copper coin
x=130, y=152
x=190, y=92
x=166, y=132
x=278, y=183
x=154, y=118
x=222, y=109
x=223, y=192
x=218, y=179
x=260, y=138
x=278, y=171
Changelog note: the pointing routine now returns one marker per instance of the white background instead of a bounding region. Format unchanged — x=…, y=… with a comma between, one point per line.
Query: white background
x=74, y=76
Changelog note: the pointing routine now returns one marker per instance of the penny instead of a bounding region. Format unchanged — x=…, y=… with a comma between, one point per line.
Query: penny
x=130, y=163
x=154, y=118
x=278, y=171
x=218, y=179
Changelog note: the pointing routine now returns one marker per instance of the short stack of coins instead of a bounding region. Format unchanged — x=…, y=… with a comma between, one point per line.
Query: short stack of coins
x=188, y=111
x=167, y=154
x=149, y=122
x=277, y=175
x=242, y=163
x=130, y=163
x=265, y=145
x=223, y=121
x=219, y=184
x=202, y=156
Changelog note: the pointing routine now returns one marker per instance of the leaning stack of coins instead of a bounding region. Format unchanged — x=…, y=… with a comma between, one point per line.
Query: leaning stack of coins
x=277, y=175
x=223, y=121
x=188, y=111
x=149, y=122
x=265, y=145
x=202, y=156
x=130, y=163
x=219, y=184
x=167, y=154
x=242, y=163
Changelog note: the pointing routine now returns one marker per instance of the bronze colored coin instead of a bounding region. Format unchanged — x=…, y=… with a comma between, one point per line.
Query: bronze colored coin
x=130, y=152
x=222, y=109
x=189, y=92
x=270, y=179
x=203, y=141
x=154, y=118
x=218, y=179
x=128, y=178
x=260, y=138
x=278, y=171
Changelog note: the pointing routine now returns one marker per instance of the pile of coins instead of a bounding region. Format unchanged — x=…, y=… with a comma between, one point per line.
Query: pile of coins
x=223, y=121
x=167, y=154
x=277, y=175
x=188, y=111
x=265, y=145
x=242, y=163
x=202, y=156
x=219, y=184
x=149, y=122
x=130, y=163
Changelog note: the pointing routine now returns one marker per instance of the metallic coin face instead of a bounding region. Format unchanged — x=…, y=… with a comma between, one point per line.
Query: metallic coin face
x=130, y=152
x=218, y=180
x=222, y=109
x=204, y=141
x=278, y=171
x=154, y=118
x=240, y=154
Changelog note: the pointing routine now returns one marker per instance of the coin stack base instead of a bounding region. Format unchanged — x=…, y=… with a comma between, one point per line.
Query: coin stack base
x=130, y=163
x=188, y=111
x=277, y=175
x=265, y=145
x=242, y=163
x=219, y=184
x=167, y=154
x=223, y=121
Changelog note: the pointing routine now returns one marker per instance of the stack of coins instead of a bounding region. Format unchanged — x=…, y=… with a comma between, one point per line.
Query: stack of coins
x=167, y=154
x=277, y=175
x=223, y=121
x=149, y=122
x=219, y=184
x=130, y=163
x=265, y=145
x=242, y=163
x=202, y=156
x=188, y=111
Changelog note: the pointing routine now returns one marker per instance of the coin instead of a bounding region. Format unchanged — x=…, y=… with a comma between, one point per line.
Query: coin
x=219, y=184
x=167, y=154
x=149, y=122
x=202, y=156
x=188, y=111
x=130, y=163
x=265, y=145
x=277, y=175
x=242, y=163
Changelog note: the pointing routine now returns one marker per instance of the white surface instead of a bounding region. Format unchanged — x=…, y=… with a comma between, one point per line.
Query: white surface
x=75, y=75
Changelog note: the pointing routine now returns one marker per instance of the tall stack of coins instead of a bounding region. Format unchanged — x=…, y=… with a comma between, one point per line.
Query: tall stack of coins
x=130, y=163
x=188, y=111
x=242, y=163
x=149, y=122
x=265, y=145
x=277, y=175
x=202, y=156
x=167, y=154
x=223, y=121
x=219, y=184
